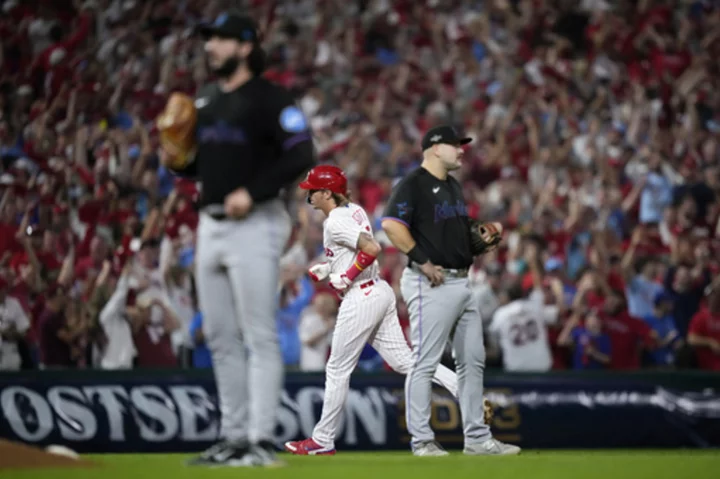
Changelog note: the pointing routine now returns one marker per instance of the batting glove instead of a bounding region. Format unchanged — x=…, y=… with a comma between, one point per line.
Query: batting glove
x=340, y=282
x=319, y=272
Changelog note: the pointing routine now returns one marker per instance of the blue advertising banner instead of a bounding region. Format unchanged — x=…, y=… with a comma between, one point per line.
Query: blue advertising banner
x=153, y=411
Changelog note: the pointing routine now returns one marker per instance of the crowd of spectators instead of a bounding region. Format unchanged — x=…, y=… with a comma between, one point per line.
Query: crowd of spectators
x=596, y=130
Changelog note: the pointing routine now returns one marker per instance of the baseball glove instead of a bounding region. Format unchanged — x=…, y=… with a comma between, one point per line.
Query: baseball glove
x=484, y=237
x=488, y=412
x=176, y=125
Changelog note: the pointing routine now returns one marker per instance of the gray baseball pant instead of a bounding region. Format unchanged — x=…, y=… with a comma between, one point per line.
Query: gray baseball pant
x=434, y=314
x=237, y=271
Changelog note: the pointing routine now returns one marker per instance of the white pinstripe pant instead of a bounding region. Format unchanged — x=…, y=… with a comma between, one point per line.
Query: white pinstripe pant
x=366, y=315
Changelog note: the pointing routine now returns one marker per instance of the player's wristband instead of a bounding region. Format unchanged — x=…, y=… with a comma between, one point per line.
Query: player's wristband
x=417, y=256
x=362, y=261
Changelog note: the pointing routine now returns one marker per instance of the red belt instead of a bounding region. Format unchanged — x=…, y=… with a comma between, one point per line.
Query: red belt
x=367, y=284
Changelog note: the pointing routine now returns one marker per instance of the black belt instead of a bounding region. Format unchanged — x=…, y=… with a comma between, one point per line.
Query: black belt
x=449, y=272
x=456, y=273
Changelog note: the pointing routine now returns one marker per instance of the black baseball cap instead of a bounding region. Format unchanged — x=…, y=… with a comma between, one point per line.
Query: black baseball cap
x=443, y=134
x=232, y=24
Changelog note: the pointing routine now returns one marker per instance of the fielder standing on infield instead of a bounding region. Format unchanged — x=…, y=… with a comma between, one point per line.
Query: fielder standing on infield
x=251, y=142
x=427, y=219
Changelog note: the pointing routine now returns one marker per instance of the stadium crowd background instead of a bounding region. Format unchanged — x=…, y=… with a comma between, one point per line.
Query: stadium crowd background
x=596, y=145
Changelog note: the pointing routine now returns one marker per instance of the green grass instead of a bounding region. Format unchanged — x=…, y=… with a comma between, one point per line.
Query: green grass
x=643, y=464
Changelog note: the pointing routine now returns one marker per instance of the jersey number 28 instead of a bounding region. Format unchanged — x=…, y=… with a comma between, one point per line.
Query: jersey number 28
x=525, y=332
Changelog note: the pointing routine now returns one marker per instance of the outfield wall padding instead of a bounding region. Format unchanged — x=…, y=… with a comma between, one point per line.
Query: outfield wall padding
x=176, y=411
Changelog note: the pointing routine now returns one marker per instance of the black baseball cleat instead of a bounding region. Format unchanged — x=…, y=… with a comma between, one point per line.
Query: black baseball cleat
x=224, y=454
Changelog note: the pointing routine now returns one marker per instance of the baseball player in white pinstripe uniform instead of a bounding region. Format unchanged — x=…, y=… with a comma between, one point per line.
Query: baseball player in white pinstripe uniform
x=367, y=312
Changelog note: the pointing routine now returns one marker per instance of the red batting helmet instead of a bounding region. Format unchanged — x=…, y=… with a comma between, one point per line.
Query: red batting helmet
x=326, y=177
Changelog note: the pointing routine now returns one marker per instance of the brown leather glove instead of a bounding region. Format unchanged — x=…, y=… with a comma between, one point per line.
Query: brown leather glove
x=484, y=237
x=176, y=125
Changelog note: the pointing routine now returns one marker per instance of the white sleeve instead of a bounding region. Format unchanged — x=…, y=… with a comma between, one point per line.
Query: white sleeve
x=550, y=314
x=537, y=297
x=22, y=323
x=116, y=304
x=496, y=322
x=309, y=326
x=166, y=254
x=296, y=255
x=345, y=231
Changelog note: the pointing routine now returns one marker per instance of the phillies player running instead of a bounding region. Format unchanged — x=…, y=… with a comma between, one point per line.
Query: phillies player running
x=367, y=312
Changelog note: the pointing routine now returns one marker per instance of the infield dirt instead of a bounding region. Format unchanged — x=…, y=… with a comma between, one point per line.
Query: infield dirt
x=15, y=455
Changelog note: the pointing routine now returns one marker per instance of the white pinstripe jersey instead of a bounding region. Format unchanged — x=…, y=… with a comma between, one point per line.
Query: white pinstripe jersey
x=342, y=230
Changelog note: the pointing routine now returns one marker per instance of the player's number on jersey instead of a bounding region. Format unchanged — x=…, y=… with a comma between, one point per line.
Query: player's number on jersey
x=525, y=332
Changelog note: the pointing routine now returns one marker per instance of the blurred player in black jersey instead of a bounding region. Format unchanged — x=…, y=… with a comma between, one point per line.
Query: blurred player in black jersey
x=252, y=142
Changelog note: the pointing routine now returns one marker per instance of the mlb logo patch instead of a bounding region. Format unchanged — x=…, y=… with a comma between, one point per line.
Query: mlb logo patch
x=293, y=120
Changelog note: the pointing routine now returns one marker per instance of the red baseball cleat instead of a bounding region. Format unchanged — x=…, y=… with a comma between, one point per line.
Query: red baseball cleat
x=308, y=447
